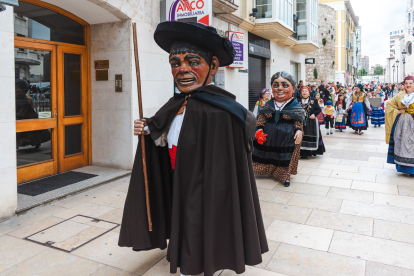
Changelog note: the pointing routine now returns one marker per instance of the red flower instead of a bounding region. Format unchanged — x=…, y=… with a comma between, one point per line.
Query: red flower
x=260, y=136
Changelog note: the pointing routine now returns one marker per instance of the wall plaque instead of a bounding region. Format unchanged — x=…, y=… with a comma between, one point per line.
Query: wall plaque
x=101, y=64
x=101, y=75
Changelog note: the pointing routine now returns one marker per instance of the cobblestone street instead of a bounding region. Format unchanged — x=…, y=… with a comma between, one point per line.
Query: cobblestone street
x=346, y=213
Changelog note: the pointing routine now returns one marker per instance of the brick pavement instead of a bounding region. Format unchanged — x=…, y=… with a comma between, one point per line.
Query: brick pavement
x=346, y=213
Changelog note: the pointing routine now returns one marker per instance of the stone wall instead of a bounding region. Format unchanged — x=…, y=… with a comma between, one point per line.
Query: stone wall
x=325, y=55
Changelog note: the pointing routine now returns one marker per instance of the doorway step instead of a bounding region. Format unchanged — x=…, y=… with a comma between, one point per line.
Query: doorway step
x=41, y=191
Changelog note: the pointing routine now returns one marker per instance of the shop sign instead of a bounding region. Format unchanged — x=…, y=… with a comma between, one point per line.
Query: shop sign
x=189, y=10
x=310, y=61
x=259, y=51
x=236, y=39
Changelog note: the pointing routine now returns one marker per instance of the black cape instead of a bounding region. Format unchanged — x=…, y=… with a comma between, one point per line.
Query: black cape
x=208, y=207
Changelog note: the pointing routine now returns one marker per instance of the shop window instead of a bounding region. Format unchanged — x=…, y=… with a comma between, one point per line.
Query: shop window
x=37, y=22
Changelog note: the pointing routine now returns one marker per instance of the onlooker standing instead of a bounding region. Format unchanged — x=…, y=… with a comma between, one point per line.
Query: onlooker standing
x=297, y=90
x=264, y=97
x=392, y=91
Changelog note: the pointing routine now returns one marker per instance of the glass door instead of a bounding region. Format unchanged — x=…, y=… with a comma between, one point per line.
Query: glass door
x=36, y=110
x=72, y=105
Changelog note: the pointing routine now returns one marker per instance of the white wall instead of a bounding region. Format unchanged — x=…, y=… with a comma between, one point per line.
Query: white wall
x=111, y=111
x=8, y=182
x=280, y=61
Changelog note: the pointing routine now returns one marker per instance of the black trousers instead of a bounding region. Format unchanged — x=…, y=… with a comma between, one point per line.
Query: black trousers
x=329, y=120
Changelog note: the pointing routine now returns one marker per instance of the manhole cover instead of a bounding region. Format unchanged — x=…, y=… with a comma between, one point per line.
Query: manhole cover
x=72, y=233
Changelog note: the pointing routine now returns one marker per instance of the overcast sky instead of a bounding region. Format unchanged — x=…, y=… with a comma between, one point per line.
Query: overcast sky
x=375, y=18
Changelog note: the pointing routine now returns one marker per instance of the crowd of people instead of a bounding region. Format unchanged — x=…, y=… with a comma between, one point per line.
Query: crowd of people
x=337, y=107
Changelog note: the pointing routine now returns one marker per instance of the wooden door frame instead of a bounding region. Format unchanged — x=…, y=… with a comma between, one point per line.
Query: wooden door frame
x=31, y=43
x=78, y=159
x=47, y=167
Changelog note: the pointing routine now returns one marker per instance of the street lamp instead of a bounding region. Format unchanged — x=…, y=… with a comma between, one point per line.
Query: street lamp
x=404, y=53
x=393, y=73
x=397, y=68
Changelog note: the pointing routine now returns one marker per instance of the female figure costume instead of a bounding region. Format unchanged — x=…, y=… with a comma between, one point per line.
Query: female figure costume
x=378, y=115
x=312, y=143
x=357, y=111
x=207, y=206
x=321, y=117
x=340, y=122
x=399, y=130
x=279, y=155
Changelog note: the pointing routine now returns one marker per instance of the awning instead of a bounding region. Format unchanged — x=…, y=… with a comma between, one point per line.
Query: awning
x=10, y=2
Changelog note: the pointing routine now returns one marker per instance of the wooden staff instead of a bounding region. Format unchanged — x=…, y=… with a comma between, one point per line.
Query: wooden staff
x=142, y=138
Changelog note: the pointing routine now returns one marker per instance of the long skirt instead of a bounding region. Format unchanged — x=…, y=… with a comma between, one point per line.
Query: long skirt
x=400, y=150
x=340, y=122
x=378, y=116
x=279, y=155
x=357, y=117
x=312, y=143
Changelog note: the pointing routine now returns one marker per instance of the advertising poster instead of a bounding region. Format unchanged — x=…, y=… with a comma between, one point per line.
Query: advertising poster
x=189, y=11
x=236, y=38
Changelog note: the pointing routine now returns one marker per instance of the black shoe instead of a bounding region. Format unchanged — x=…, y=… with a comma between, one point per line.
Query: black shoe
x=304, y=157
x=287, y=183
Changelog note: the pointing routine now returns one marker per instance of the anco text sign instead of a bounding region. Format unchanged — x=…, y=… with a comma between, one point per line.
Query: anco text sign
x=236, y=39
x=189, y=11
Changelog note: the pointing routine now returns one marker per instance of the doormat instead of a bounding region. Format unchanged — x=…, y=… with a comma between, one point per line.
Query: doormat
x=72, y=233
x=54, y=182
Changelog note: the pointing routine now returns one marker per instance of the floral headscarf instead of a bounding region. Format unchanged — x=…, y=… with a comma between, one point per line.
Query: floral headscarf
x=409, y=78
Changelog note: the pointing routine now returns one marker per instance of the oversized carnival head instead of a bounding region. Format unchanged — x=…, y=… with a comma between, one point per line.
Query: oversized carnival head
x=196, y=52
x=283, y=85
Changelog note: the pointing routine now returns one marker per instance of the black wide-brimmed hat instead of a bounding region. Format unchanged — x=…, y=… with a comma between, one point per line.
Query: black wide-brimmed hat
x=205, y=36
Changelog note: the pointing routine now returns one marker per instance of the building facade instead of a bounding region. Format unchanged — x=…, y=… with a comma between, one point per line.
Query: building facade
x=358, y=47
x=325, y=55
x=77, y=54
x=346, y=24
x=364, y=63
x=409, y=39
x=396, y=33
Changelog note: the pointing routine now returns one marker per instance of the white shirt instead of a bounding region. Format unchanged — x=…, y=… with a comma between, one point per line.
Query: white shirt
x=175, y=128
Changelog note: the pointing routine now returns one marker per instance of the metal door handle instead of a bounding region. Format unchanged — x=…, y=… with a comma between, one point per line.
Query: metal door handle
x=54, y=114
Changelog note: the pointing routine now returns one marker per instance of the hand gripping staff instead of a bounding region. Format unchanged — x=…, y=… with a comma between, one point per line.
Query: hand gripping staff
x=142, y=138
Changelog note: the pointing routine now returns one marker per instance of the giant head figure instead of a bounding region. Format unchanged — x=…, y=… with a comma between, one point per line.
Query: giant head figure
x=283, y=85
x=196, y=52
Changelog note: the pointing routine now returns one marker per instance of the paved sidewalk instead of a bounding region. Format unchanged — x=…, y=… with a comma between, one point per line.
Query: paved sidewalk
x=346, y=213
